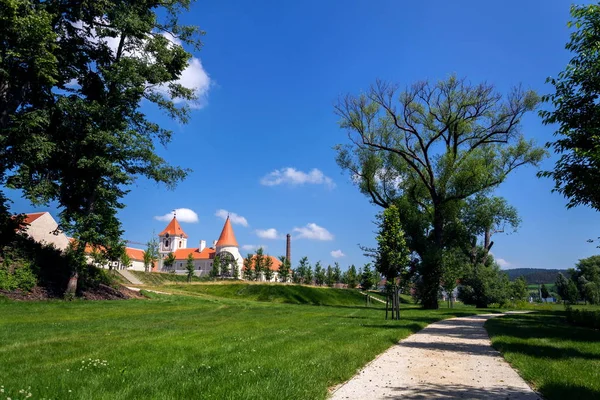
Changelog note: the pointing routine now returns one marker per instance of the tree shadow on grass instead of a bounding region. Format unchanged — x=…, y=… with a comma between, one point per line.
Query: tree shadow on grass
x=568, y=391
x=541, y=325
x=542, y=351
x=436, y=391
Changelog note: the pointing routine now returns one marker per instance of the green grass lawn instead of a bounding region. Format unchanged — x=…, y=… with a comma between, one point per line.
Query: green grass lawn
x=277, y=293
x=175, y=347
x=560, y=360
x=162, y=278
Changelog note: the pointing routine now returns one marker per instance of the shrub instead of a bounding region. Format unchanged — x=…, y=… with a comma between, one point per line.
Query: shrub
x=16, y=275
x=586, y=318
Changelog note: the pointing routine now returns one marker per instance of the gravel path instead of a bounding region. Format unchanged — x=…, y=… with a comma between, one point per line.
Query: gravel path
x=450, y=359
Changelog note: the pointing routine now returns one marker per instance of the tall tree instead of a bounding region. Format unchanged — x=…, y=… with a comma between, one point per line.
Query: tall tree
x=337, y=273
x=150, y=255
x=71, y=87
x=308, y=275
x=216, y=267
x=430, y=148
x=392, y=254
x=544, y=292
x=268, y=268
x=319, y=274
x=169, y=261
x=366, y=278
x=259, y=264
x=518, y=289
x=576, y=113
x=329, y=280
x=248, y=273
x=189, y=267
x=125, y=260
x=298, y=276
x=284, y=269
x=351, y=277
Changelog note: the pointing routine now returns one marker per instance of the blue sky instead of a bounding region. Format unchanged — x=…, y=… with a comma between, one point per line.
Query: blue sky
x=276, y=69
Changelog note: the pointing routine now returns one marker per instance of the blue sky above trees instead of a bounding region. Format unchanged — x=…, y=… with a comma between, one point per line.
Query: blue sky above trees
x=260, y=140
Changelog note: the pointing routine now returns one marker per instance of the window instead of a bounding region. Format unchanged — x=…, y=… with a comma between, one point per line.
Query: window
x=180, y=242
x=166, y=242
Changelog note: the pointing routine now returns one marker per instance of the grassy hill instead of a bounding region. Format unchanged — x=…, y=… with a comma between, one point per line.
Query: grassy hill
x=278, y=293
x=535, y=275
x=161, y=278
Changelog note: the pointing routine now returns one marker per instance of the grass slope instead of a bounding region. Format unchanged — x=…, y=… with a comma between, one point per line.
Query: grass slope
x=161, y=278
x=560, y=360
x=278, y=293
x=176, y=347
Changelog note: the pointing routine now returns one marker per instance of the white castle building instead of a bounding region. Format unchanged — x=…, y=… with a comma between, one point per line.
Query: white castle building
x=174, y=240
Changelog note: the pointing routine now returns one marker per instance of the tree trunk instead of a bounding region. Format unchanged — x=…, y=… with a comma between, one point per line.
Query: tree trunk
x=72, y=285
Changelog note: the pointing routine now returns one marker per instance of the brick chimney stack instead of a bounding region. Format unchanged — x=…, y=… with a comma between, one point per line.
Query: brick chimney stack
x=288, y=248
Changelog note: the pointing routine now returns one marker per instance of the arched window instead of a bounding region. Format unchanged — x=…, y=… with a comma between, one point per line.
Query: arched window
x=180, y=243
x=166, y=242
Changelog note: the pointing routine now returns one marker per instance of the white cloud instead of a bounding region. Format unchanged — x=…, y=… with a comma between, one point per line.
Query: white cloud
x=253, y=247
x=183, y=215
x=270, y=233
x=313, y=231
x=337, y=254
x=292, y=176
x=502, y=262
x=233, y=217
x=194, y=76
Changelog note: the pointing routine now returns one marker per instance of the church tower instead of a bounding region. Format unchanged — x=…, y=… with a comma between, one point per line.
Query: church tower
x=227, y=247
x=171, y=239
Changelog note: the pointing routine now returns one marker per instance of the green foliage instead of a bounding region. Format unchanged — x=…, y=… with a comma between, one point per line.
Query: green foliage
x=367, y=278
x=585, y=318
x=248, y=272
x=350, y=277
x=430, y=151
x=259, y=264
x=169, y=261
x=545, y=292
x=572, y=293
x=16, y=274
x=216, y=267
x=189, y=267
x=392, y=254
x=150, y=255
x=284, y=269
x=337, y=273
x=301, y=270
x=73, y=131
x=329, y=278
x=268, y=272
x=518, y=289
x=484, y=284
x=575, y=110
x=125, y=260
x=319, y=274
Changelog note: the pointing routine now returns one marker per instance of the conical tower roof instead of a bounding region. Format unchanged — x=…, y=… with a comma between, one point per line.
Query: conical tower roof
x=227, y=237
x=173, y=229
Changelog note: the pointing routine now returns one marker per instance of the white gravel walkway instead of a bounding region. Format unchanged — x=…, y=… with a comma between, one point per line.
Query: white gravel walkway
x=450, y=359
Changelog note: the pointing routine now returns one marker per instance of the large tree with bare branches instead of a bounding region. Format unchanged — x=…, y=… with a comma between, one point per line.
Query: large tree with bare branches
x=428, y=150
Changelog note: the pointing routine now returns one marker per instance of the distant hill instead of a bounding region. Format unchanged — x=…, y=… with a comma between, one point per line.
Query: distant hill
x=535, y=275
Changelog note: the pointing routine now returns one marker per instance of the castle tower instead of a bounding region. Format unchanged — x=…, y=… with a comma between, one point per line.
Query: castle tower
x=171, y=239
x=227, y=246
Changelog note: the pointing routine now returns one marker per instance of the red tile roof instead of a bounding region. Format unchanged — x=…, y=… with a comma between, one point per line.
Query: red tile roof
x=173, y=229
x=29, y=218
x=227, y=237
x=274, y=266
x=206, y=254
x=135, y=254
